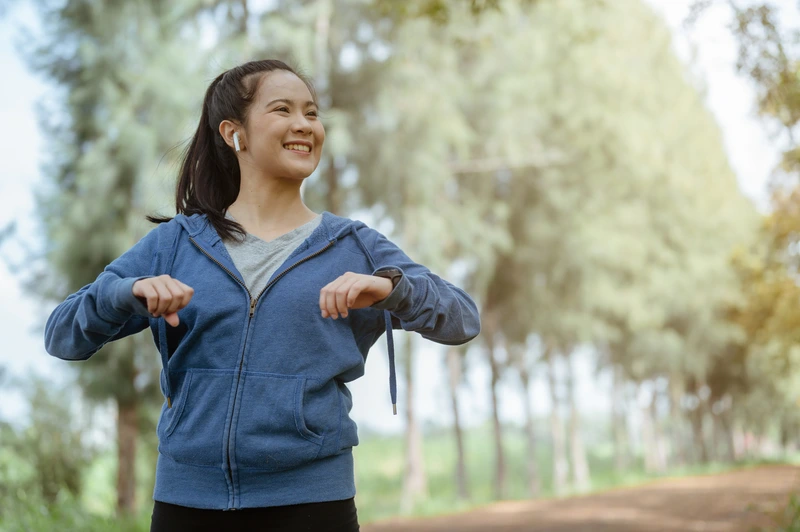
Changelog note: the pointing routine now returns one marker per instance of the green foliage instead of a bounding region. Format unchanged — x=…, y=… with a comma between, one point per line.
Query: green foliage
x=53, y=478
x=26, y=512
x=766, y=357
x=439, y=11
x=787, y=519
x=601, y=207
x=47, y=455
x=42, y=462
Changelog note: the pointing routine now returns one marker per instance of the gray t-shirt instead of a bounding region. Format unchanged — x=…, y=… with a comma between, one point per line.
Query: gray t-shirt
x=257, y=259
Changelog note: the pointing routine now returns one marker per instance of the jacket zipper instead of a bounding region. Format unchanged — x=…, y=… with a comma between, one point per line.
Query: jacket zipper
x=253, y=302
x=244, y=348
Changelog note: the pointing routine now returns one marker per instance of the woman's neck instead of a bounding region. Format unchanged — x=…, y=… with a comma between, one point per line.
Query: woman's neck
x=270, y=206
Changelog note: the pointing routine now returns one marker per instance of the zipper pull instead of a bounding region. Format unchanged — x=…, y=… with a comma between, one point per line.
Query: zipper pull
x=252, y=307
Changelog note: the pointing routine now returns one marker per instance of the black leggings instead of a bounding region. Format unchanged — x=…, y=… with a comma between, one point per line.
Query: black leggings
x=333, y=516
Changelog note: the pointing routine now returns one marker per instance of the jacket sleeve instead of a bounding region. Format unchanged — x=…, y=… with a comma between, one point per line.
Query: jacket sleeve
x=104, y=310
x=422, y=301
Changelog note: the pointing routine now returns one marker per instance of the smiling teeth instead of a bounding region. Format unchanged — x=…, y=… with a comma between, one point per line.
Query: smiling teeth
x=298, y=147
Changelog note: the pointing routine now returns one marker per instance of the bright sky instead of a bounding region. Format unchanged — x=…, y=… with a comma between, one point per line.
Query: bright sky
x=730, y=97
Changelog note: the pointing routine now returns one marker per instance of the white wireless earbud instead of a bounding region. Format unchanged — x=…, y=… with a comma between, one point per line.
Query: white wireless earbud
x=236, y=141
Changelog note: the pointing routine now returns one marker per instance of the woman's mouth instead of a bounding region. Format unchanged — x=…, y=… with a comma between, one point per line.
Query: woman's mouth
x=302, y=148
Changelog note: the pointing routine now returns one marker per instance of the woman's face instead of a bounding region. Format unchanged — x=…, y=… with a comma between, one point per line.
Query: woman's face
x=284, y=134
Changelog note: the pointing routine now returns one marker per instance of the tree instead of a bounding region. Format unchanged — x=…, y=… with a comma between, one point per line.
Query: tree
x=117, y=121
x=762, y=379
x=439, y=219
x=624, y=229
x=455, y=367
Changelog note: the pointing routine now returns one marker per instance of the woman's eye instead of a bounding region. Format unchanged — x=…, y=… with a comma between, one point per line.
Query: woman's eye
x=312, y=113
x=283, y=109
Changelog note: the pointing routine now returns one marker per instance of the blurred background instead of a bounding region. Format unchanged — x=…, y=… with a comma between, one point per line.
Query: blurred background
x=614, y=182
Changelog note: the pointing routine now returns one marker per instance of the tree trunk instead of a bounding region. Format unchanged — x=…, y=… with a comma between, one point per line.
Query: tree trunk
x=415, y=485
x=454, y=367
x=662, y=436
x=659, y=447
x=534, y=483
x=322, y=81
x=696, y=417
x=737, y=441
x=332, y=177
x=580, y=467
x=717, y=436
x=621, y=454
x=322, y=67
x=245, y=17
x=677, y=418
x=560, y=465
x=127, y=433
x=500, y=468
x=648, y=437
x=785, y=438
x=726, y=429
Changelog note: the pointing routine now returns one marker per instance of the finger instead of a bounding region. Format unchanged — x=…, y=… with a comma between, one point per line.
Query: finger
x=188, y=293
x=330, y=301
x=343, y=295
x=138, y=286
x=164, y=297
x=355, y=290
x=150, y=294
x=180, y=298
x=330, y=296
x=172, y=319
x=176, y=295
x=323, y=297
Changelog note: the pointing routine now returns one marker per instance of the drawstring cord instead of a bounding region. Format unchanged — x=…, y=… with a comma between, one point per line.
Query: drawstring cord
x=389, y=337
x=392, y=374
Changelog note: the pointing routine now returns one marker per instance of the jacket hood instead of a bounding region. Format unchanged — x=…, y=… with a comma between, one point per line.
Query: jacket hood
x=331, y=227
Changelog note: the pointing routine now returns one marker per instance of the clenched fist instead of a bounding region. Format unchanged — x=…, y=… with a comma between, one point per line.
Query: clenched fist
x=164, y=296
x=352, y=290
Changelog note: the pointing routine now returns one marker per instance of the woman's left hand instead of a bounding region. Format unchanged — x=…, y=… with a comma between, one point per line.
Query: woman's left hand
x=352, y=290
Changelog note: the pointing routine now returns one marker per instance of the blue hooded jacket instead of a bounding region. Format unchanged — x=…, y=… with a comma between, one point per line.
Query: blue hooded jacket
x=256, y=409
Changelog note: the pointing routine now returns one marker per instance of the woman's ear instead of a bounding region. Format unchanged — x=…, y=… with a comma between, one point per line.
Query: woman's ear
x=227, y=130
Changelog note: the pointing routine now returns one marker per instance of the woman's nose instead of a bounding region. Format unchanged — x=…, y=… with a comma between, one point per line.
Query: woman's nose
x=301, y=123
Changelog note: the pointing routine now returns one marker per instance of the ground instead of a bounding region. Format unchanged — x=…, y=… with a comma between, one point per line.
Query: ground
x=739, y=501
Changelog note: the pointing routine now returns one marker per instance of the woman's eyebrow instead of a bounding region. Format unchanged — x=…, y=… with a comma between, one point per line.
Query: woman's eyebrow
x=309, y=103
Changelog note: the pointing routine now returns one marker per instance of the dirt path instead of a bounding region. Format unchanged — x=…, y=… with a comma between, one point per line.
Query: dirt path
x=729, y=502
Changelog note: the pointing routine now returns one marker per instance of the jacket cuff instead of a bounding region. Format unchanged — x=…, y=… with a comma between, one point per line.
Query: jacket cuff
x=123, y=304
x=399, y=294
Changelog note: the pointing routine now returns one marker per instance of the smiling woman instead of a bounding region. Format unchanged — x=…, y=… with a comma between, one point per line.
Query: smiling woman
x=282, y=137
x=263, y=311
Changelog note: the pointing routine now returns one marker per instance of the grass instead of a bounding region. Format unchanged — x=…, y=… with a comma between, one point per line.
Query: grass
x=379, y=481
x=380, y=462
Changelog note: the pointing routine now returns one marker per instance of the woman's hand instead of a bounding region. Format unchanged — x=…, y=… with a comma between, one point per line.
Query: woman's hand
x=352, y=290
x=163, y=295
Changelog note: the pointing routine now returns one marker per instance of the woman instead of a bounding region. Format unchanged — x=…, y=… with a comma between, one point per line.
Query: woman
x=262, y=311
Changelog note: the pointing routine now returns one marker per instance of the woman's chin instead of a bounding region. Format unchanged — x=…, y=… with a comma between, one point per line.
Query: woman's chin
x=296, y=171
x=297, y=174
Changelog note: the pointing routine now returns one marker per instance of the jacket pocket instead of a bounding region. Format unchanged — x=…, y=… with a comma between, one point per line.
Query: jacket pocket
x=194, y=433
x=272, y=433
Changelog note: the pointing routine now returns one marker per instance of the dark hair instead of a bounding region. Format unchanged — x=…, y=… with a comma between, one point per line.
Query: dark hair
x=209, y=178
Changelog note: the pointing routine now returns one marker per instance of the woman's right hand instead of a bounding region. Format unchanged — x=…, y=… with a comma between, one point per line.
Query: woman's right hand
x=164, y=296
